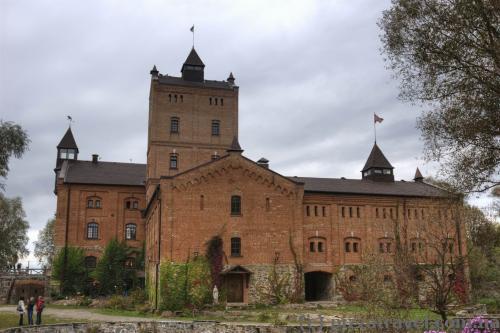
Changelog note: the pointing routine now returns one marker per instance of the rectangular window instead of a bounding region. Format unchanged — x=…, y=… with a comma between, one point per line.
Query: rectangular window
x=63, y=153
x=388, y=247
x=268, y=204
x=358, y=213
x=416, y=214
x=324, y=210
x=355, y=247
x=381, y=247
x=347, y=247
x=90, y=203
x=235, y=247
x=390, y=213
x=308, y=213
x=173, y=161
x=413, y=247
x=174, y=125
x=71, y=154
x=311, y=247
x=202, y=202
x=343, y=211
x=315, y=210
x=135, y=204
x=235, y=205
x=320, y=246
x=384, y=213
x=215, y=127
x=376, y=213
x=409, y=214
x=98, y=204
x=127, y=205
x=350, y=211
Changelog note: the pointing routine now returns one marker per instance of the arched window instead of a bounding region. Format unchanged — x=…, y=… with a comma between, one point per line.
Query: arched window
x=92, y=230
x=90, y=262
x=130, y=262
x=352, y=244
x=174, y=161
x=235, y=247
x=174, y=125
x=130, y=231
x=235, y=205
x=93, y=202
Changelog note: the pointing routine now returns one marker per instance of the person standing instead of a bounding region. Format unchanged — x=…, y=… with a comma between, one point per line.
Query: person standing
x=20, y=310
x=31, y=305
x=40, y=304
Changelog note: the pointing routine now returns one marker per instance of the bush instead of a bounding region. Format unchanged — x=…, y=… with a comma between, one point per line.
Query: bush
x=71, y=276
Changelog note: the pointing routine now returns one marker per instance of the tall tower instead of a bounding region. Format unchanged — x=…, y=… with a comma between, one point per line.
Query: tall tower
x=66, y=150
x=191, y=120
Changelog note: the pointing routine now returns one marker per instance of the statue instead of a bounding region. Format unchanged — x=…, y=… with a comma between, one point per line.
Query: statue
x=215, y=294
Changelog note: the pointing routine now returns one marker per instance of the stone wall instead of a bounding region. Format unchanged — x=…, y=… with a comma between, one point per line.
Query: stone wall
x=157, y=327
x=8, y=283
x=259, y=280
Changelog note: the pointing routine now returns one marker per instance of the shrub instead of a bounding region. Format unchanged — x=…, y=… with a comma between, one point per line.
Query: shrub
x=71, y=276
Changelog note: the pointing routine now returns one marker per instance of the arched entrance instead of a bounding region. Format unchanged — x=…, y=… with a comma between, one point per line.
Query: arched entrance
x=318, y=286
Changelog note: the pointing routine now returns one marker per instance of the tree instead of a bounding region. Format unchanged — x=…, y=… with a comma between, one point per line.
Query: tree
x=44, y=246
x=13, y=229
x=446, y=54
x=111, y=272
x=13, y=141
x=70, y=276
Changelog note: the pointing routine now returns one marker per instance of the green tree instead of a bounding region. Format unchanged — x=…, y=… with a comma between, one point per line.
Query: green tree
x=446, y=54
x=111, y=272
x=71, y=277
x=13, y=229
x=13, y=141
x=44, y=246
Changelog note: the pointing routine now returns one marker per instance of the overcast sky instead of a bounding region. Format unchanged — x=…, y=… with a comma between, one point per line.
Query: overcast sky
x=311, y=75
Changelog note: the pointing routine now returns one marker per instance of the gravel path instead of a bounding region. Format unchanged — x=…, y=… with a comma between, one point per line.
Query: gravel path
x=81, y=314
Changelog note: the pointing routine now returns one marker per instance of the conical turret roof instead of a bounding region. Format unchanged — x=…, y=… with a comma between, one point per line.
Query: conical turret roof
x=68, y=141
x=194, y=59
x=377, y=160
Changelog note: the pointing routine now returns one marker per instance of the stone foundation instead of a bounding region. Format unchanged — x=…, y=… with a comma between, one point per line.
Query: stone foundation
x=259, y=280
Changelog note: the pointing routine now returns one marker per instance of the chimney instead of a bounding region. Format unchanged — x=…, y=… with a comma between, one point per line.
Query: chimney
x=263, y=163
x=95, y=158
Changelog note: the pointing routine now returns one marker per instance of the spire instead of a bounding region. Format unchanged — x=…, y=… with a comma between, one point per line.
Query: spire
x=235, y=146
x=230, y=79
x=154, y=73
x=377, y=167
x=418, y=176
x=193, y=67
x=68, y=141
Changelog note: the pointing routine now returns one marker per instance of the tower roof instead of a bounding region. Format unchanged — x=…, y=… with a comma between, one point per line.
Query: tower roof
x=377, y=160
x=235, y=145
x=193, y=59
x=418, y=176
x=68, y=141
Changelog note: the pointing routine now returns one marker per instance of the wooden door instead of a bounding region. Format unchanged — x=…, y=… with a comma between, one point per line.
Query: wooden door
x=235, y=288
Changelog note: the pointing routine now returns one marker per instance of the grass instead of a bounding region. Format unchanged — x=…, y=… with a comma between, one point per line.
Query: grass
x=123, y=313
x=12, y=320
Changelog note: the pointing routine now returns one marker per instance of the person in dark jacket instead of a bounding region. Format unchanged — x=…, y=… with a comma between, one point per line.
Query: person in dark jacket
x=31, y=305
x=40, y=304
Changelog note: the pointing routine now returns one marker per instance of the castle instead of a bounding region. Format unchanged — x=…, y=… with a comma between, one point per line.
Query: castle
x=197, y=184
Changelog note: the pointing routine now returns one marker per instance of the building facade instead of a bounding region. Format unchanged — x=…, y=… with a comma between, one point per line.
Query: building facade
x=197, y=184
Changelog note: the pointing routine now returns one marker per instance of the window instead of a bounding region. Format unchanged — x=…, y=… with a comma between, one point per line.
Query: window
x=173, y=161
x=170, y=98
x=422, y=213
x=174, y=125
x=381, y=247
x=182, y=99
x=175, y=97
x=413, y=247
x=90, y=262
x=320, y=246
x=353, y=278
x=343, y=211
x=384, y=213
x=130, y=262
x=350, y=211
x=354, y=247
x=388, y=247
x=387, y=172
x=215, y=100
x=135, y=204
x=92, y=230
x=130, y=231
x=312, y=247
x=390, y=213
x=235, y=247
x=67, y=154
x=415, y=214
x=90, y=203
x=387, y=278
x=308, y=212
x=235, y=205
x=268, y=204
x=409, y=214
x=324, y=210
x=215, y=127
x=202, y=202
x=347, y=247
x=315, y=210
x=128, y=205
x=98, y=203
x=376, y=213
x=357, y=212
x=222, y=102
x=210, y=100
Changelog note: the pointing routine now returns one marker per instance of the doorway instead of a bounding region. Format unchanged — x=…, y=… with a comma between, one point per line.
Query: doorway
x=317, y=286
x=234, y=285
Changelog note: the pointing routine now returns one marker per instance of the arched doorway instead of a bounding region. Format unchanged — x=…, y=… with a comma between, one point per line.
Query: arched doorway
x=318, y=286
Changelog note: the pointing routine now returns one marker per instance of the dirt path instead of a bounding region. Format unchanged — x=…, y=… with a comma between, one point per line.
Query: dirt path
x=82, y=314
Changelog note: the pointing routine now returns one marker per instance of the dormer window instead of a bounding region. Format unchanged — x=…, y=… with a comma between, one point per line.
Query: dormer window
x=67, y=154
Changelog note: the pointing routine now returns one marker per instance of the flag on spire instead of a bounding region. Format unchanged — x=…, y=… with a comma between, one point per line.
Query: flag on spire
x=377, y=119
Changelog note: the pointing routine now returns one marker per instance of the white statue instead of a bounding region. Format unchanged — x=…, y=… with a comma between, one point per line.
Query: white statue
x=215, y=294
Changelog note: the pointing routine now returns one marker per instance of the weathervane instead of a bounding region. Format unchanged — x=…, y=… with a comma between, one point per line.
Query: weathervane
x=192, y=30
x=70, y=120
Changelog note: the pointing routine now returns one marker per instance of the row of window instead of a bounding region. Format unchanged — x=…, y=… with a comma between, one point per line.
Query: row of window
x=384, y=246
x=384, y=213
x=316, y=211
x=96, y=203
x=174, y=99
x=67, y=154
x=91, y=262
x=93, y=231
x=175, y=126
x=216, y=101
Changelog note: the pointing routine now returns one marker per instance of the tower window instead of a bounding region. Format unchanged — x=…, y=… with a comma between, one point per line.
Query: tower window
x=174, y=125
x=92, y=230
x=130, y=231
x=235, y=247
x=130, y=262
x=173, y=161
x=215, y=127
x=235, y=205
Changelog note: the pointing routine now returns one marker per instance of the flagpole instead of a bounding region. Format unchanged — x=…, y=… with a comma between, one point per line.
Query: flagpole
x=375, y=130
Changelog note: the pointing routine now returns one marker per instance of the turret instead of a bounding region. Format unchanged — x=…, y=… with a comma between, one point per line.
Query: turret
x=66, y=149
x=193, y=68
x=377, y=167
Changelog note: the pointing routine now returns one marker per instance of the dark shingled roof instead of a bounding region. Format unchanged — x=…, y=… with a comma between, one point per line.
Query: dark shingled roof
x=358, y=186
x=377, y=160
x=194, y=59
x=68, y=141
x=167, y=79
x=104, y=173
x=418, y=175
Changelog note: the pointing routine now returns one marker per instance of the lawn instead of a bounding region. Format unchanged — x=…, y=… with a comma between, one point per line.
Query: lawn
x=12, y=320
